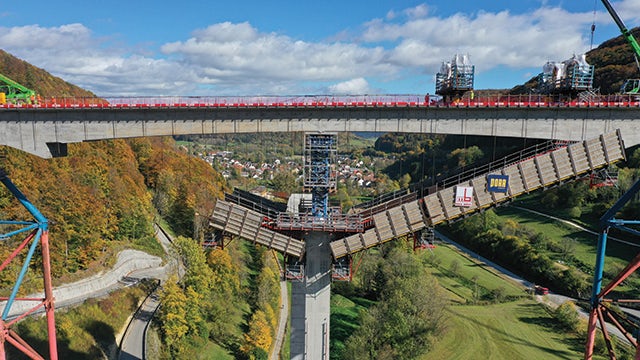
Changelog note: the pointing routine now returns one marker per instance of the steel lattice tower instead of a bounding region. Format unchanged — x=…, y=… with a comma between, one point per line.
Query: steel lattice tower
x=37, y=233
x=319, y=175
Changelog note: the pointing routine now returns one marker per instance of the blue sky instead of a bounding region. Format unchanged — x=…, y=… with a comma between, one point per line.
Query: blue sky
x=143, y=47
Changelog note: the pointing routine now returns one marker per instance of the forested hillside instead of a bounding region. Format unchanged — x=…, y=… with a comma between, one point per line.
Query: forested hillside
x=101, y=197
x=104, y=196
x=44, y=84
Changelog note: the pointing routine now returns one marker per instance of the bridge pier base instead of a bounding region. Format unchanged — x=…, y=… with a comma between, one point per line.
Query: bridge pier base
x=311, y=301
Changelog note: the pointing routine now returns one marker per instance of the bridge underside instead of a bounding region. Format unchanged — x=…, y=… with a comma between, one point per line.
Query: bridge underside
x=45, y=132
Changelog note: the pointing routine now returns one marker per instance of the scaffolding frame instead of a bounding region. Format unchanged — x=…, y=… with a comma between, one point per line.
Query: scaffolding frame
x=320, y=153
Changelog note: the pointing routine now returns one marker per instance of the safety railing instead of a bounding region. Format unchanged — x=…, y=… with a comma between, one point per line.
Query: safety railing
x=323, y=101
x=429, y=186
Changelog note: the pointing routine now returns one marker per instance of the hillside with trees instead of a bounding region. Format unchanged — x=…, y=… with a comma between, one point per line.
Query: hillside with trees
x=104, y=197
x=39, y=80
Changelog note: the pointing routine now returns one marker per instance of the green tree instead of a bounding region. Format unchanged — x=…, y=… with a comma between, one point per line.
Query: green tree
x=407, y=317
x=259, y=334
x=284, y=181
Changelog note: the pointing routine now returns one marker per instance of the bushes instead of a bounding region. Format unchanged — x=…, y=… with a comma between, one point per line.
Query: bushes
x=567, y=316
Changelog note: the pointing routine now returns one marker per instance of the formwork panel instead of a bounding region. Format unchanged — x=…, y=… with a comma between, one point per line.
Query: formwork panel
x=397, y=221
x=516, y=186
x=579, y=158
x=383, y=226
x=483, y=197
x=413, y=216
x=370, y=238
x=546, y=171
x=613, y=146
x=596, y=152
x=562, y=163
x=354, y=242
x=434, y=209
x=529, y=174
x=279, y=242
x=338, y=248
x=447, y=196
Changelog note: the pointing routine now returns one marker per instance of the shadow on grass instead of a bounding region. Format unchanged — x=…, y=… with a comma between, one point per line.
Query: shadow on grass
x=103, y=334
x=42, y=347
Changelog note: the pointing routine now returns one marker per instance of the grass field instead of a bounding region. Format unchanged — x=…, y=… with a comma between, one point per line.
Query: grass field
x=467, y=279
x=585, y=250
x=515, y=330
x=518, y=329
x=618, y=254
x=344, y=319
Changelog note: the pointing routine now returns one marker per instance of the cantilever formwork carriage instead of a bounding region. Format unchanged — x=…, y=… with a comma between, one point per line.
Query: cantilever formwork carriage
x=455, y=77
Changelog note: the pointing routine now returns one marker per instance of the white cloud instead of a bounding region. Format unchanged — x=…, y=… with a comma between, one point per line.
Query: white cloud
x=237, y=58
x=351, y=87
x=629, y=12
x=492, y=39
x=228, y=51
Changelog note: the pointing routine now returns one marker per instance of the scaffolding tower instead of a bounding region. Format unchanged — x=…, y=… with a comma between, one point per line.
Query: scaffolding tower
x=319, y=175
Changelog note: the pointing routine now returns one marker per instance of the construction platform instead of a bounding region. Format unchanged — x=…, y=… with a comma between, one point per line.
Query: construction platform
x=439, y=204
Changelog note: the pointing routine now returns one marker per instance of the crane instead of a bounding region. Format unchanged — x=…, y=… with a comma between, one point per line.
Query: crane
x=11, y=91
x=630, y=86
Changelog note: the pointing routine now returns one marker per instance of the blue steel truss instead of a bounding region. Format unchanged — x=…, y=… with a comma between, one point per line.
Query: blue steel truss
x=319, y=175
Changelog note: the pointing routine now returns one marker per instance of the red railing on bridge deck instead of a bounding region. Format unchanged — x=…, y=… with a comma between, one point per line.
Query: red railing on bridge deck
x=322, y=101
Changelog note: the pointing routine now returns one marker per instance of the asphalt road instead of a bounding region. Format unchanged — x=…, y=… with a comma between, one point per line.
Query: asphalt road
x=132, y=345
x=282, y=323
x=133, y=341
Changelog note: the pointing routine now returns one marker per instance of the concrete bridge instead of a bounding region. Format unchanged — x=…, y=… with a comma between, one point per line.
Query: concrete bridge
x=45, y=131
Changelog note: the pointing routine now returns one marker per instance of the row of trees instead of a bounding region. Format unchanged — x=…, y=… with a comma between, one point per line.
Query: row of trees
x=217, y=298
x=514, y=247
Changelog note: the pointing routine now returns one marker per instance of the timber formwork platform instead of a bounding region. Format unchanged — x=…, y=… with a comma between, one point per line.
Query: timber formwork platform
x=240, y=221
x=542, y=170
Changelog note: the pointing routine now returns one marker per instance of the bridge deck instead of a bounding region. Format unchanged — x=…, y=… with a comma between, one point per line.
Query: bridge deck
x=540, y=171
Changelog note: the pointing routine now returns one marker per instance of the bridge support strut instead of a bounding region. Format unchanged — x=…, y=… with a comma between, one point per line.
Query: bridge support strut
x=600, y=313
x=37, y=233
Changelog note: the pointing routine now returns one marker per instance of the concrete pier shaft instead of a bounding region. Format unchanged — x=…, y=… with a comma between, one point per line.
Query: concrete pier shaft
x=311, y=300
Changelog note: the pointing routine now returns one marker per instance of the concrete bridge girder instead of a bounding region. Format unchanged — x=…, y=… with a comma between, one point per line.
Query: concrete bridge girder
x=31, y=129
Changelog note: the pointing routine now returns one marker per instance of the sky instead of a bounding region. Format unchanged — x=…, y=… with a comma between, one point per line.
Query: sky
x=278, y=47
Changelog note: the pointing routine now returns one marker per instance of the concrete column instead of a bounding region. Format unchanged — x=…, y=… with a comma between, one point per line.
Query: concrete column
x=310, y=302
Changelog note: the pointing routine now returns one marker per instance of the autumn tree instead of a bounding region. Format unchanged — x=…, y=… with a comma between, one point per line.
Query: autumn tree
x=173, y=315
x=259, y=334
